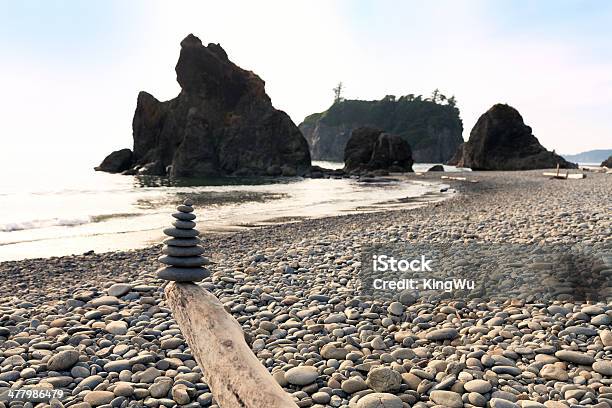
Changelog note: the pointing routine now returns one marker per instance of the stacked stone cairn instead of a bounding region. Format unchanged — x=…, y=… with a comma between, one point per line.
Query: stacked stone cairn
x=182, y=252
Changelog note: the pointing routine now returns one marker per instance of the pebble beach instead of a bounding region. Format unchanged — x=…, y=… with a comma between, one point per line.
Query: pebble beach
x=98, y=327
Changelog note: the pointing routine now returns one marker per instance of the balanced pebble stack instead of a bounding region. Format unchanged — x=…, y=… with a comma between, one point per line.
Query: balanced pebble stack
x=182, y=252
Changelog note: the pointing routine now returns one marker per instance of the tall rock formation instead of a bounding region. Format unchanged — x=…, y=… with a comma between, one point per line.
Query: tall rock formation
x=500, y=140
x=433, y=130
x=221, y=123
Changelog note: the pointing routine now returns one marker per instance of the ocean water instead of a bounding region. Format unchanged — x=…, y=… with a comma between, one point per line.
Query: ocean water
x=56, y=213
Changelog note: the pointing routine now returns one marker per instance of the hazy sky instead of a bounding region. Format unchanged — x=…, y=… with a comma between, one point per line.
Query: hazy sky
x=71, y=70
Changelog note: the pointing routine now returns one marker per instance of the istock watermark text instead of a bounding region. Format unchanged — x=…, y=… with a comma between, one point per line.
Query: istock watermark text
x=384, y=263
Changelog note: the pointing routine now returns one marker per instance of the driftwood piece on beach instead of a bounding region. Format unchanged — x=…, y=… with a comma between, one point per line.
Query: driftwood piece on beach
x=231, y=370
x=565, y=176
x=593, y=169
x=458, y=179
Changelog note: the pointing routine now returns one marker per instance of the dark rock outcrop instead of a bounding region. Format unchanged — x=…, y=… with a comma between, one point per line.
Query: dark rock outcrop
x=116, y=162
x=433, y=130
x=500, y=140
x=321, y=172
x=607, y=163
x=221, y=123
x=437, y=167
x=371, y=149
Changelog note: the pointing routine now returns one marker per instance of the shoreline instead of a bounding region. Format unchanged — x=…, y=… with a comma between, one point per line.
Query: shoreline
x=468, y=194
x=294, y=289
x=146, y=229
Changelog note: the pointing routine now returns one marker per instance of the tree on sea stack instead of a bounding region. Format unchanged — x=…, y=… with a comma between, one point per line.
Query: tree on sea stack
x=338, y=92
x=229, y=367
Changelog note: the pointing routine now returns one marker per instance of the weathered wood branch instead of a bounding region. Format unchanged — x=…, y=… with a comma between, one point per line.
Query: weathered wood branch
x=231, y=370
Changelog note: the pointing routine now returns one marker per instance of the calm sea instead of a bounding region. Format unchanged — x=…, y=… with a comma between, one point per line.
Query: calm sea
x=61, y=213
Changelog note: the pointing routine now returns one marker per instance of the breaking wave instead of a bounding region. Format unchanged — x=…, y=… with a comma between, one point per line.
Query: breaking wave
x=60, y=222
x=35, y=224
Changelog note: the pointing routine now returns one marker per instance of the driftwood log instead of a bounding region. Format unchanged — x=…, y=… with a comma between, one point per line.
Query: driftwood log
x=231, y=370
x=458, y=179
x=565, y=176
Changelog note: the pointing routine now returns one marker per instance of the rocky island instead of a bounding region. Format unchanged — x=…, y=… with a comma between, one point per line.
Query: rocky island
x=371, y=149
x=500, y=140
x=221, y=123
x=432, y=129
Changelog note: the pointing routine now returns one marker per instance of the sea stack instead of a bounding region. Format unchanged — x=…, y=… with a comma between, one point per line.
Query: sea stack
x=182, y=252
x=221, y=123
x=500, y=140
x=370, y=149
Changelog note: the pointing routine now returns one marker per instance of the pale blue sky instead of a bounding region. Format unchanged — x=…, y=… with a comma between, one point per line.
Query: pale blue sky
x=71, y=70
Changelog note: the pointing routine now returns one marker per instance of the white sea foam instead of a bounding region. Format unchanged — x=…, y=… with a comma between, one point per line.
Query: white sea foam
x=35, y=224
